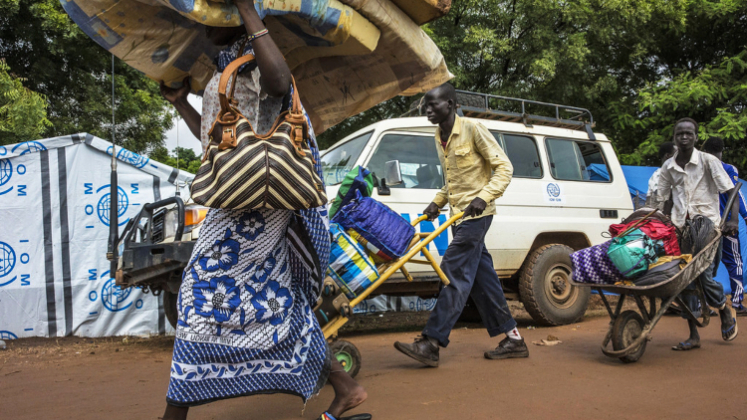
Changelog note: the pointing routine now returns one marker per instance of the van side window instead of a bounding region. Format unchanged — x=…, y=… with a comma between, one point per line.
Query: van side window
x=572, y=160
x=417, y=157
x=523, y=154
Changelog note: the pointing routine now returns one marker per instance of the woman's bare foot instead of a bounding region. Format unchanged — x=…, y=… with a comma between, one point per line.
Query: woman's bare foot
x=348, y=393
x=175, y=413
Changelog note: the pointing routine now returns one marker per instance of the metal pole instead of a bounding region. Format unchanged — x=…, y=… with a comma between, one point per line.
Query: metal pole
x=113, y=195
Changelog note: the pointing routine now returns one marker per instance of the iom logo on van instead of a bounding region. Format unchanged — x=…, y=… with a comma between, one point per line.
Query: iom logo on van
x=553, y=190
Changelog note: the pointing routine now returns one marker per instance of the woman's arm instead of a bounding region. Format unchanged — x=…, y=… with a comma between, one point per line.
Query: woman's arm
x=178, y=98
x=275, y=74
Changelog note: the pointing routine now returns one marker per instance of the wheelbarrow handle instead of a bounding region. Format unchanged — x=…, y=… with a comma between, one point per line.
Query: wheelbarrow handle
x=729, y=203
x=449, y=222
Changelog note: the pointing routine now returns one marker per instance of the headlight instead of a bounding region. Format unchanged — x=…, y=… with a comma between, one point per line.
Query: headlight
x=193, y=218
x=170, y=223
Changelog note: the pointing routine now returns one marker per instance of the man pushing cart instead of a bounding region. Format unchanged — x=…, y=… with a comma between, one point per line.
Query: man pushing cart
x=690, y=184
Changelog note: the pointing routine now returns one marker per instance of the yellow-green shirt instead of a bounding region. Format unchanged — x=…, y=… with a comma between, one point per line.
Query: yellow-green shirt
x=475, y=166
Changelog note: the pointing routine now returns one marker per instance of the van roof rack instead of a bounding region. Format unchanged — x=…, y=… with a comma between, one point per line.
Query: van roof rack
x=504, y=108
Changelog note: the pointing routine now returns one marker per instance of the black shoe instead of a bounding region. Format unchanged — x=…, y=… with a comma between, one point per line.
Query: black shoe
x=421, y=350
x=508, y=349
x=740, y=310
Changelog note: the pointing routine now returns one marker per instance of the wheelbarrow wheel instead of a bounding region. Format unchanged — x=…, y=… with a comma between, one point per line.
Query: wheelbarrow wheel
x=348, y=355
x=628, y=327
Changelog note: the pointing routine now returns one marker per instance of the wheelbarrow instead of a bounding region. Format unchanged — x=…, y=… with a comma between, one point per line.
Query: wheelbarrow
x=630, y=330
x=335, y=309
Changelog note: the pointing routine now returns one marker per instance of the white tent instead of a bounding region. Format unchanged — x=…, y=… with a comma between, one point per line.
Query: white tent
x=54, y=226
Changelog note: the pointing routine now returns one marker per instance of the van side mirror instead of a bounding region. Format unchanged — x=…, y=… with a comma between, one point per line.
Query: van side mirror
x=392, y=173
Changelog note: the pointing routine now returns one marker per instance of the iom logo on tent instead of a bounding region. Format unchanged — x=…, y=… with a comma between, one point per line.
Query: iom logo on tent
x=115, y=298
x=29, y=147
x=7, y=335
x=132, y=158
x=103, y=208
x=7, y=170
x=7, y=261
x=6, y=173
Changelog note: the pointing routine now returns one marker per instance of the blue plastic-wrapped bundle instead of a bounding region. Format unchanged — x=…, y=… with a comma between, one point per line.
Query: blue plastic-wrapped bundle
x=377, y=224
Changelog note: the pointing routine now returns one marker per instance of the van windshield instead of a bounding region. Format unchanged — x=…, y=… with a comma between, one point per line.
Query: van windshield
x=337, y=162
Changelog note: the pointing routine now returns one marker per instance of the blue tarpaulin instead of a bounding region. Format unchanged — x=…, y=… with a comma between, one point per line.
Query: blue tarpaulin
x=637, y=179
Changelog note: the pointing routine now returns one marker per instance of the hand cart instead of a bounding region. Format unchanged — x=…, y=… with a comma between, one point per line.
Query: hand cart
x=334, y=308
x=630, y=330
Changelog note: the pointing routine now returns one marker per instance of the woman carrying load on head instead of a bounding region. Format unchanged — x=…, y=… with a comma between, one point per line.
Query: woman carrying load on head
x=246, y=324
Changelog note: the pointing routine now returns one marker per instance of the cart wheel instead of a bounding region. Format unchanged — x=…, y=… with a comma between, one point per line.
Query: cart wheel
x=348, y=355
x=627, y=328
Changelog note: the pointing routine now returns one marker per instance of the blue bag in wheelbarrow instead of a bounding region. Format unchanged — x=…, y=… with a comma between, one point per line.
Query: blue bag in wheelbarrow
x=349, y=264
x=388, y=234
x=592, y=265
x=633, y=252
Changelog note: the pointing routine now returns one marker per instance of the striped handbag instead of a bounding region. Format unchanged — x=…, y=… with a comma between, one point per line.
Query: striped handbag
x=245, y=170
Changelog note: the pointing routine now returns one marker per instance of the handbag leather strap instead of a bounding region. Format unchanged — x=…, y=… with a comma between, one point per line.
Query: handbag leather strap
x=295, y=115
x=230, y=73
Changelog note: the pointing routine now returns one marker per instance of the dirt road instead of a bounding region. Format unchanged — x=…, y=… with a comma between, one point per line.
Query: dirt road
x=110, y=379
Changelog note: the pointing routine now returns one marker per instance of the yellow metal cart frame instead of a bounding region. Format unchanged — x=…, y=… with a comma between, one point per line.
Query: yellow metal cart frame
x=346, y=352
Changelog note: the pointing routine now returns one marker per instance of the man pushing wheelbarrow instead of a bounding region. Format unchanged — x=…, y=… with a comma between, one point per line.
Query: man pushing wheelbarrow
x=690, y=182
x=666, y=257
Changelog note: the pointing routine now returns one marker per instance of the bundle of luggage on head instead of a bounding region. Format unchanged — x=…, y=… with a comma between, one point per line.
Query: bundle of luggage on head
x=644, y=250
x=364, y=232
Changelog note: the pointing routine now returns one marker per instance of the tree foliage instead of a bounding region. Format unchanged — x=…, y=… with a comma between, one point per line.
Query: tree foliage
x=52, y=56
x=638, y=65
x=181, y=158
x=23, y=113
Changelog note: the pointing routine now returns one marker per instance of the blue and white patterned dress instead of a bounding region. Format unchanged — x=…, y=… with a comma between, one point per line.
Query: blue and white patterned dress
x=246, y=324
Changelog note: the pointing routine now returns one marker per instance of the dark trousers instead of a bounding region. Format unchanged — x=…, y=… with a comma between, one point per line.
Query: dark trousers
x=469, y=267
x=714, y=291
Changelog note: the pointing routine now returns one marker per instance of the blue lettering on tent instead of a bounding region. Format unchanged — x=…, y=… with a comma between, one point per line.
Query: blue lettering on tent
x=24, y=258
x=25, y=280
x=3, y=151
x=135, y=188
x=92, y=274
x=89, y=209
x=89, y=188
x=21, y=169
x=21, y=190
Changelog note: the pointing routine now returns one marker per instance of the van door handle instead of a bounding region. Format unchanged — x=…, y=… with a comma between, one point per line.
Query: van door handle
x=608, y=214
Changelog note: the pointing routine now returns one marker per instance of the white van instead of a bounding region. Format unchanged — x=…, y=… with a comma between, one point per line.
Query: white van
x=566, y=190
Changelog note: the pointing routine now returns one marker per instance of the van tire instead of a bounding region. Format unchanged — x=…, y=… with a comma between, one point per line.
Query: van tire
x=169, y=307
x=544, y=288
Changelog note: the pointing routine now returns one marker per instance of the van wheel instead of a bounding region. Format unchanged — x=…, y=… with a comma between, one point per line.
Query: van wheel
x=169, y=307
x=545, y=289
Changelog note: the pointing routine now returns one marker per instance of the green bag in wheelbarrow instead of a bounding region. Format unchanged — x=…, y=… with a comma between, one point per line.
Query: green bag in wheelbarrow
x=388, y=234
x=358, y=179
x=633, y=252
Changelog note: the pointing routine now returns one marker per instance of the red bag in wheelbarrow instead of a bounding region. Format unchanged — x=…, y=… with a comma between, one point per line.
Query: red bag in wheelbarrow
x=592, y=265
x=388, y=234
